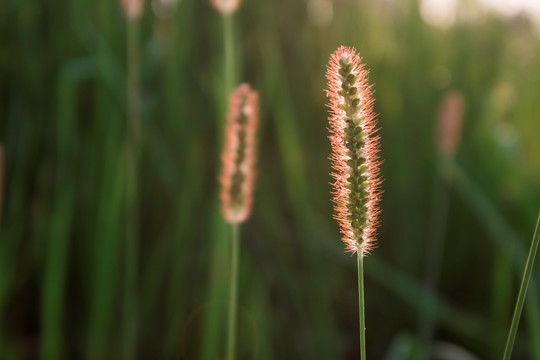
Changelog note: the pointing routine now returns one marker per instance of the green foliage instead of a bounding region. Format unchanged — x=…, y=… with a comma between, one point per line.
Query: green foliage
x=63, y=126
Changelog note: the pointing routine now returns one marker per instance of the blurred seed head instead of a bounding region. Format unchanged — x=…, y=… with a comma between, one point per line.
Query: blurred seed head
x=320, y=12
x=439, y=13
x=451, y=116
x=132, y=8
x=164, y=9
x=239, y=156
x=226, y=7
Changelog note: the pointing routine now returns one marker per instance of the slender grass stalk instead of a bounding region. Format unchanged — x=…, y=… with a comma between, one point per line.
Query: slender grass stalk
x=228, y=38
x=227, y=8
x=234, y=248
x=361, y=306
x=233, y=291
x=133, y=76
x=131, y=158
x=522, y=293
x=213, y=318
x=131, y=257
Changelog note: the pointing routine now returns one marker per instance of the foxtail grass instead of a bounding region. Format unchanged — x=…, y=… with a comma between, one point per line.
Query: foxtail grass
x=355, y=148
x=237, y=183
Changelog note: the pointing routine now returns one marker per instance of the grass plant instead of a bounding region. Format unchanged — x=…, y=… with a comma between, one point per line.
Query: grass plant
x=355, y=161
x=238, y=181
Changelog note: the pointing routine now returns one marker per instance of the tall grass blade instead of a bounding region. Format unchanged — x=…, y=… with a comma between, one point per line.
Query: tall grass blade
x=132, y=143
x=53, y=290
x=522, y=293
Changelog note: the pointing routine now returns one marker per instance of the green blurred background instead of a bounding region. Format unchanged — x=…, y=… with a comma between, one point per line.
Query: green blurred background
x=90, y=268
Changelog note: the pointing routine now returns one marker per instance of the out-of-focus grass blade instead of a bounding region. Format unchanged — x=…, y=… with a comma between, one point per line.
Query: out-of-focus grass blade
x=104, y=286
x=405, y=347
x=53, y=289
x=62, y=213
x=214, y=316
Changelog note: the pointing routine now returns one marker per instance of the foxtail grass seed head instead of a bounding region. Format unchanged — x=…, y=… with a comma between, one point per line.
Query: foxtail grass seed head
x=355, y=146
x=450, y=124
x=132, y=8
x=226, y=7
x=239, y=156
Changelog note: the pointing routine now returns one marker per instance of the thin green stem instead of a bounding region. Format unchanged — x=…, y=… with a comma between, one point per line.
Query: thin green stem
x=131, y=257
x=233, y=292
x=361, y=314
x=522, y=293
x=131, y=148
x=133, y=78
x=228, y=34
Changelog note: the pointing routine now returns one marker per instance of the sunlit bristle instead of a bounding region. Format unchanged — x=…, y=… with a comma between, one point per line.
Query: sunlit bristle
x=354, y=150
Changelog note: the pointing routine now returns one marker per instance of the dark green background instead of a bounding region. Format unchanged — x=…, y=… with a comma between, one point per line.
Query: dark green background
x=64, y=223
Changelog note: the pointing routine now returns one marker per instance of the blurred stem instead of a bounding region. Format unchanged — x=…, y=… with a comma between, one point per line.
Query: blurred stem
x=107, y=161
x=522, y=292
x=72, y=73
x=434, y=254
x=132, y=142
x=235, y=236
x=213, y=318
x=133, y=76
x=361, y=313
x=233, y=292
x=55, y=275
x=228, y=34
